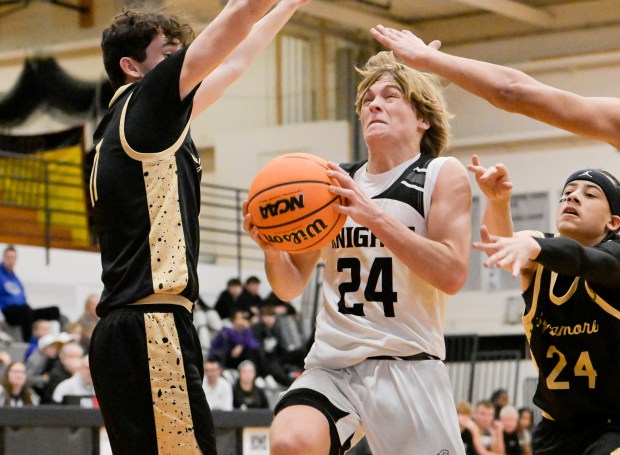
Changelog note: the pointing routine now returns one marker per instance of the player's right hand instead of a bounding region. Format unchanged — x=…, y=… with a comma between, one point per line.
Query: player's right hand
x=493, y=181
x=252, y=230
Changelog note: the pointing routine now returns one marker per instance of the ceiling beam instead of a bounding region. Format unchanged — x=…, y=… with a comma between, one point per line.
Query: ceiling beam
x=326, y=9
x=514, y=10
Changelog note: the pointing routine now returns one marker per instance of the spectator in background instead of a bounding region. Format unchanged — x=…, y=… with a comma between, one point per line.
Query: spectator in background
x=42, y=361
x=84, y=326
x=5, y=359
x=80, y=384
x=296, y=345
x=228, y=300
x=281, y=307
x=524, y=427
x=275, y=359
x=15, y=391
x=467, y=426
x=40, y=328
x=509, y=418
x=499, y=398
x=207, y=322
x=250, y=297
x=234, y=344
x=13, y=301
x=217, y=389
x=491, y=439
x=246, y=394
x=70, y=361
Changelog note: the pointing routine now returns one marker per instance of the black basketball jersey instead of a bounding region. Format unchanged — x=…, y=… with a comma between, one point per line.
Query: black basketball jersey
x=573, y=328
x=145, y=190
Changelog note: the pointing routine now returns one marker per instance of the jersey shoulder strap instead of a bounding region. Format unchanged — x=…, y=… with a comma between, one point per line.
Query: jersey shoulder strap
x=352, y=168
x=409, y=187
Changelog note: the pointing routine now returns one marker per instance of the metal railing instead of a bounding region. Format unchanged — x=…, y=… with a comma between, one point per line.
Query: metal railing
x=45, y=202
x=223, y=240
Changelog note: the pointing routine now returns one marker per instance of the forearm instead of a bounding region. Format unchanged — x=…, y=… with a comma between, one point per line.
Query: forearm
x=505, y=88
x=288, y=274
x=229, y=29
x=262, y=33
x=497, y=441
x=568, y=257
x=429, y=259
x=239, y=60
x=498, y=218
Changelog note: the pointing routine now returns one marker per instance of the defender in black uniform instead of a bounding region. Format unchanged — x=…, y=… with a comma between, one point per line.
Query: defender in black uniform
x=145, y=354
x=571, y=284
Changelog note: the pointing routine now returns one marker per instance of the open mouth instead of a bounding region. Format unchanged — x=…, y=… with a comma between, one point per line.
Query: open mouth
x=570, y=211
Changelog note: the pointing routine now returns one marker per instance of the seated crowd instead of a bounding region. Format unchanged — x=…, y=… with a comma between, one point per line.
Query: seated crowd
x=494, y=426
x=252, y=346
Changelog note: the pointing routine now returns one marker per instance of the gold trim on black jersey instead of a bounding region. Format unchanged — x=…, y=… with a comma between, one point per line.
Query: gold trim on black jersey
x=94, y=195
x=601, y=302
x=148, y=157
x=559, y=300
x=165, y=299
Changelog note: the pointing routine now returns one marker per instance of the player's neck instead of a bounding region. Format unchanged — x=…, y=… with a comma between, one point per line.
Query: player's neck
x=378, y=163
x=387, y=154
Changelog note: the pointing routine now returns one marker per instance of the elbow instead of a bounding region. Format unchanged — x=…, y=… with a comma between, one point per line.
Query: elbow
x=286, y=294
x=507, y=94
x=236, y=69
x=454, y=281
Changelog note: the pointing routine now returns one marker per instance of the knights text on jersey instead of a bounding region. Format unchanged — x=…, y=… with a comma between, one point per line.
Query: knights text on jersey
x=373, y=304
x=574, y=337
x=145, y=191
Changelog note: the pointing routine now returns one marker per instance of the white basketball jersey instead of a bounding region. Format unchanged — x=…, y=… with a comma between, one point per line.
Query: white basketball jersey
x=373, y=305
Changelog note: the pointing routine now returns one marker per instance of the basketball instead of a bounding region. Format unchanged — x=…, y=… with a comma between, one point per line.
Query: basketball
x=291, y=205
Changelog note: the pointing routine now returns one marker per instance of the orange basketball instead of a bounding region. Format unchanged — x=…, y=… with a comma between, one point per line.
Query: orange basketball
x=291, y=204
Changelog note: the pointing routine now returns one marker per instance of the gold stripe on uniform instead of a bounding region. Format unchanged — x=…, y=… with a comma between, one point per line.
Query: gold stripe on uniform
x=173, y=419
x=166, y=238
x=165, y=299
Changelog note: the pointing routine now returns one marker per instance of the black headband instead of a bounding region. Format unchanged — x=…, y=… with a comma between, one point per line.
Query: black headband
x=608, y=183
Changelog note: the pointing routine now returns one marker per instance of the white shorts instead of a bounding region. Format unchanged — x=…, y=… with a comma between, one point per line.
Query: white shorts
x=403, y=407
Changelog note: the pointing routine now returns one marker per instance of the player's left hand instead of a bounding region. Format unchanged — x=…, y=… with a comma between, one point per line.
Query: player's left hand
x=359, y=206
x=510, y=253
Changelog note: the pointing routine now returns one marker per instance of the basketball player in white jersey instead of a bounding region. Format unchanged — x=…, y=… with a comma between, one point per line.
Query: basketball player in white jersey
x=375, y=366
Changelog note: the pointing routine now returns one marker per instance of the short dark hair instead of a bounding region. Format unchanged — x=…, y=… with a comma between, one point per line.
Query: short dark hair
x=233, y=282
x=8, y=249
x=268, y=310
x=130, y=34
x=252, y=279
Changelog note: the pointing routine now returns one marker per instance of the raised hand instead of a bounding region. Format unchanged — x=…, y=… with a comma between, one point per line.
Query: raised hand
x=407, y=46
x=510, y=253
x=494, y=181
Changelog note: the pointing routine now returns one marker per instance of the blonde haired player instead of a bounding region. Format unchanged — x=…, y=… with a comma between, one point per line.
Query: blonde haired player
x=375, y=366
